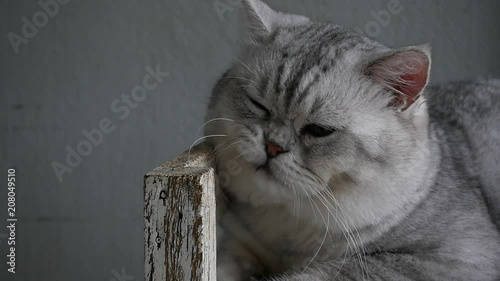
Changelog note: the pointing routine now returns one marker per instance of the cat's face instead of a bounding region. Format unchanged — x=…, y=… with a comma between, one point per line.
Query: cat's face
x=307, y=105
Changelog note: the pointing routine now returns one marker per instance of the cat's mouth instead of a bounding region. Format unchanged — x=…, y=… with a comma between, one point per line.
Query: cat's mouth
x=263, y=167
x=266, y=169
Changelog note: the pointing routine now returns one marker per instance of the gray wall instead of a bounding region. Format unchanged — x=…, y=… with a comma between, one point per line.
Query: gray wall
x=65, y=78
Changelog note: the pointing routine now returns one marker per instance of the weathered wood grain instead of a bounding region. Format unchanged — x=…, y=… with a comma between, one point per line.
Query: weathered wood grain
x=179, y=215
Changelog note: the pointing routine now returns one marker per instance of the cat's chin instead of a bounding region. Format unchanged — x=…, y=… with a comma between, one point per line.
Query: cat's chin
x=263, y=168
x=266, y=171
x=270, y=183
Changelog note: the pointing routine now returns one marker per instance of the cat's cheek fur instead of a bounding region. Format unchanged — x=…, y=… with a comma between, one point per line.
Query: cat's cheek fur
x=243, y=182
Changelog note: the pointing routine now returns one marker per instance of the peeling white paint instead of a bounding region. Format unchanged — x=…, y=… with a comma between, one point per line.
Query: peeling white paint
x=179, y=214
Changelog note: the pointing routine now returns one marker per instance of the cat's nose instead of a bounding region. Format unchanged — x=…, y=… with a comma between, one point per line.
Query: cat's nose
x=273, y=149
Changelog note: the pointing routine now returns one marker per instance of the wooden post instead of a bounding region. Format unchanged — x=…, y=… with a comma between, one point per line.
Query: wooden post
x=179, y=216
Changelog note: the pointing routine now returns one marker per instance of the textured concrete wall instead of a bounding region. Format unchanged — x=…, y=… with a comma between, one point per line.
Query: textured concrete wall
x=71, y=75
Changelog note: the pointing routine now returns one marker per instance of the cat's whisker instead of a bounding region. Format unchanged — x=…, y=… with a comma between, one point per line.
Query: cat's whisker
x=349, y=246
x=313, y=205
x=344, y=215
x=238, y=156
x=239, y=78
x=325, y=201
x=347, y=232
x=297, y=200
x=215, y=155
x=251, y=83
x=220, y=151
x=212, y=120
x=344, y=232
x=246, y=66
x=222, y=143
x=241, y=154
x=322, y=242
x=200, y=139
x=343, y=223
x=327, y=225
x=360, y=245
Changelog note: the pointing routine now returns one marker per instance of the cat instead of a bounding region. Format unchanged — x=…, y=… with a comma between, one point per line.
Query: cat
x=336, y=161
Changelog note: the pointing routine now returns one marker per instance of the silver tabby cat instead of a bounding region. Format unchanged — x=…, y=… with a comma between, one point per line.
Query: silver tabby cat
x=336, y=162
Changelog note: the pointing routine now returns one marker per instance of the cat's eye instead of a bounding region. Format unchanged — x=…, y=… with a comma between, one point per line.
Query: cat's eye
x=260, y=106
x=316, y=131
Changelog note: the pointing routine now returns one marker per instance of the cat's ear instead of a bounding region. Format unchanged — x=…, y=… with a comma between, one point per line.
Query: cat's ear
x=405, y=72
x=259, y=20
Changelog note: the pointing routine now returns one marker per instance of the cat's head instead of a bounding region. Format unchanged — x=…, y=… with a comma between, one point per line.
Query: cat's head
x=307, y=106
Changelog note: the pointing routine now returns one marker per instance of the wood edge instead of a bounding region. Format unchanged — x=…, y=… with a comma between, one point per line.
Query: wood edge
x=194, y=162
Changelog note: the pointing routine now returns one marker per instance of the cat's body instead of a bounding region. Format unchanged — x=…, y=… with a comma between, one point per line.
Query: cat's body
x=384, y=188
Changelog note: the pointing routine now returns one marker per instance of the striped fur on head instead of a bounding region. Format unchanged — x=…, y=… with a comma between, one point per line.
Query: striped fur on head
x=293, y=73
